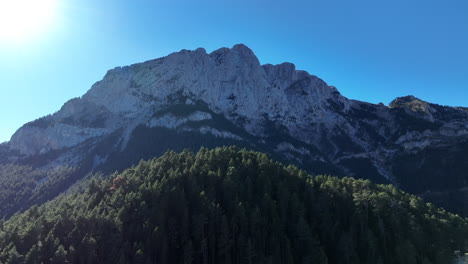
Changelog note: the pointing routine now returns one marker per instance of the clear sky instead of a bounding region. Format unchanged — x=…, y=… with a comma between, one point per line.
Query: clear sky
x=371, y=50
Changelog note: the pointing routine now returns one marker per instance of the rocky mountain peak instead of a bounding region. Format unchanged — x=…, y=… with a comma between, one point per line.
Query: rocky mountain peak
x=404, y=101
x=188, y=88
x=230, y=81
x=190, y=99
x=244, y=52
x=412, y=104
x=237, y=56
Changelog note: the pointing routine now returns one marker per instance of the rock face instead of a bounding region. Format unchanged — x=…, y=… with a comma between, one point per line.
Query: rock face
x=191, y=98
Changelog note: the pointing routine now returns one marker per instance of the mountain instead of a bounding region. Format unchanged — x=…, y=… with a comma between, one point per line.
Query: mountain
x=190, y=99
x=231, y=206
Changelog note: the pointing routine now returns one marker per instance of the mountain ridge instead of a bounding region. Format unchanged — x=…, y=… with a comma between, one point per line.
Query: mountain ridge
x=192, y=99
x=121, y=102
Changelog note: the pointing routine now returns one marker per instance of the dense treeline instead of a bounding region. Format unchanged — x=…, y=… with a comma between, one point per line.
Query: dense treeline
x=231, y=206
x=22, y=186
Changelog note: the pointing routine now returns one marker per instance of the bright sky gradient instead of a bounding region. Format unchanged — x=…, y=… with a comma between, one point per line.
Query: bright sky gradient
x=370, y=50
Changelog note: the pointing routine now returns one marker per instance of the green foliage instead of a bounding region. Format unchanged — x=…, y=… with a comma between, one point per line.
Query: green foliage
x=363, y=168
x=21, y=186
x=231, y=206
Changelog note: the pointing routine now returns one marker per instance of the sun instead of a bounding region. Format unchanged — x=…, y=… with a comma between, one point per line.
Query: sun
x=24, y=20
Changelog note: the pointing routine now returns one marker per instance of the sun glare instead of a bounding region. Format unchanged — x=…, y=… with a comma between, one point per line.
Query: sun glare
x=24, y=20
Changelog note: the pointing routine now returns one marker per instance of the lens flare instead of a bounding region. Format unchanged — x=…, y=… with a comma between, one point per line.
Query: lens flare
x=24, y=20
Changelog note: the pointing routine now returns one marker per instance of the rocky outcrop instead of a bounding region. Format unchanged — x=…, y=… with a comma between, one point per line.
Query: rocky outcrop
x=229, y=95
x=229, y=81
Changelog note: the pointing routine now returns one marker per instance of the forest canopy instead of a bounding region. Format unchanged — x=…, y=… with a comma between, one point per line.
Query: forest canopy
x=231, y=205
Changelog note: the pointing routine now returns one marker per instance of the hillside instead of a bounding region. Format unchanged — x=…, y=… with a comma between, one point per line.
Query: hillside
x=231, y=206
x=191, y=99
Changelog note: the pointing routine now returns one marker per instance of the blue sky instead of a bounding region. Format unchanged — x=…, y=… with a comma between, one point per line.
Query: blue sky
x=370, y=50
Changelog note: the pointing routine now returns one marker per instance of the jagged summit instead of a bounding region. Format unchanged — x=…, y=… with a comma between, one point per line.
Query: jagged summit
x=242, y=48
x=404, y=100
x=192, y=98
x=411, y=103
x=230, y=81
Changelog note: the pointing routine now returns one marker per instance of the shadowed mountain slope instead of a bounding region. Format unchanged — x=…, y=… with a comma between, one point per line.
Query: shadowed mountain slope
x=231, y=206
x=190, y=99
